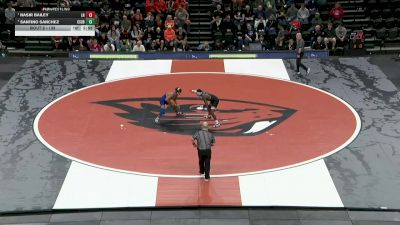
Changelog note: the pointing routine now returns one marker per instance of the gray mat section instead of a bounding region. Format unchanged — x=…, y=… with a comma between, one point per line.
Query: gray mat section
x=31, y=175
x=367, y=172
x=250, y=216
x=9, y=66
x=390, y=65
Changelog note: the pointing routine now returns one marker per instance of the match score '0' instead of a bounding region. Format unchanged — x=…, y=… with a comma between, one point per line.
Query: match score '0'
x=90, y=14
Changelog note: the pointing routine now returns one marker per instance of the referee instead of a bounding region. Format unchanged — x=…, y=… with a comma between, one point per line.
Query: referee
x=203, y=140
x=300, y=54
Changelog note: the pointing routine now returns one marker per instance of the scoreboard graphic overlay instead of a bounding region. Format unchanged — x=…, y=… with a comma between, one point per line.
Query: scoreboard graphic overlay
x=55, y=23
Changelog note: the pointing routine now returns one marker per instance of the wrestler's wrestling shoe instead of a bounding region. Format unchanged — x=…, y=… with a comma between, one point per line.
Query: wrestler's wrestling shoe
x=216, y=125
x=207, y=116
x=157, y=120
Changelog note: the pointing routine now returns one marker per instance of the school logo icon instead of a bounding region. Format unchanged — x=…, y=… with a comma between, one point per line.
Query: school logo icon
x=245, y=119
x=267, y=124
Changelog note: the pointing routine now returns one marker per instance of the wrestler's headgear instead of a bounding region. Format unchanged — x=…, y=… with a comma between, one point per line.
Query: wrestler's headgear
x=199, y=92
x=178, y=90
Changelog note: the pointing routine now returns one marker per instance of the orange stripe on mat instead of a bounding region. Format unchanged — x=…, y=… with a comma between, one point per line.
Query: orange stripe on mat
x=203, y=65
x=196, y=192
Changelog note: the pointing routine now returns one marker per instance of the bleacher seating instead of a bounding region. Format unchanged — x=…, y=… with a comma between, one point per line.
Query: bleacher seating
x=378, y=19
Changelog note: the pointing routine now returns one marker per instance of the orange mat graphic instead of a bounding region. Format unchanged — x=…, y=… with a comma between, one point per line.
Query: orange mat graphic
x=267, y=124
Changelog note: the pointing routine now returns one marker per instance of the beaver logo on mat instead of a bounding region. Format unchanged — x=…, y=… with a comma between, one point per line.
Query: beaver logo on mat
x=238, y=118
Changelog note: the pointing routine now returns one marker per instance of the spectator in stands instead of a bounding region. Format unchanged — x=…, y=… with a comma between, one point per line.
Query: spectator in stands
x=160, y=6
x=228, y=39
x=135, y=34
x=158, y=21
x=229, y=11
x=3, y=50
x=259, y=12
x=126, y=24
x=315, y=33
x=295, y=25
x=316, y=20
x=250, y=34
x=80, y=45
x=148, y=31
x=124, y=34
x=239, y=38
x=248, y=15
x=148, y=39
x=237, y=3
x=76, y=3
x=180, y=3
x=282, y=19
x=137, y=18
x=238, y=17
x=227, y=23
x=214, y=3
x=337, y=12
x=103, y=39
x=139, y=47
x=260, y=23
x=291, y=13
x=159, y=39
x=95, y=46
x=170, y=7
x=255, y=3
x=105, y=13
x=114, y=36
x=181, y=39
x=217, y=30
x=57, y=42
x=341, y=32
x=104, y=27
x=169, y=37
x=216, y=25
x=270, y=11
x=116, y=21
x=303, y=14
x=153, y=47
x=217, y=12
x=69, y=43
x=25, y=3
x=291, y=45
x=319, y=44
x=204, y=47
x=65, y=4
x=149, y=20
x=9, y=13
x=271, y=26
x=312, y=6
x=280, y=38
x=330, y=36
x=149, y=7
x=182, y=17
x=169, y=22
x=265, y=45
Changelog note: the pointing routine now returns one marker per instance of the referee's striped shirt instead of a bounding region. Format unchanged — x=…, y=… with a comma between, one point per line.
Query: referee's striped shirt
x=204, y=138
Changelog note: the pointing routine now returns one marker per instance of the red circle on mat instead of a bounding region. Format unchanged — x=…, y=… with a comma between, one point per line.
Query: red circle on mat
x=81, y=127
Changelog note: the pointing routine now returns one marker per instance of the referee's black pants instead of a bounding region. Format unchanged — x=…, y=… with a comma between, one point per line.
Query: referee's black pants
x=299, y=64
x=204, y=162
